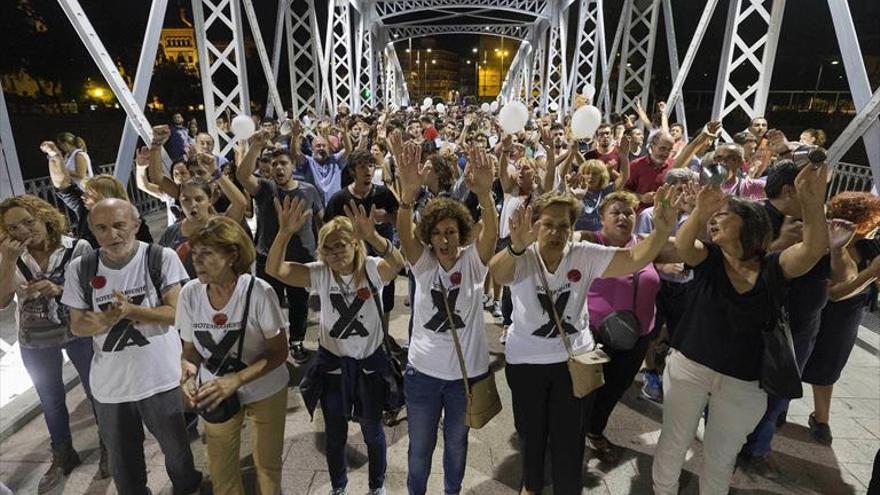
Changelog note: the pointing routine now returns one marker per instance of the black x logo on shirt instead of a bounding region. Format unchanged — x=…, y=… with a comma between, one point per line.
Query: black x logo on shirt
x=549, y=329
x=440, y=322
x=220, y=350
x=348, y=323
x=123, y=334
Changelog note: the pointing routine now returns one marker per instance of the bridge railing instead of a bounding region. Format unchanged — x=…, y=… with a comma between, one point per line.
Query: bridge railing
x=42, y=187
x=850, y=177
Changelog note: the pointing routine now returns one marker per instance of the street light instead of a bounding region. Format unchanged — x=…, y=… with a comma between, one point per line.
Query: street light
x=474, y=50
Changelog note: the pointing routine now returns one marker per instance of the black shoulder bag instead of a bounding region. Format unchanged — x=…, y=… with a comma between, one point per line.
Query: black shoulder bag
x=394, y=400
x=231, y=405
x=780, y=376
x=620, y=330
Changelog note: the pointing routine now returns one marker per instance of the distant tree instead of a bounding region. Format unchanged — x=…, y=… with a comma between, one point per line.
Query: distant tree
x=175, y=86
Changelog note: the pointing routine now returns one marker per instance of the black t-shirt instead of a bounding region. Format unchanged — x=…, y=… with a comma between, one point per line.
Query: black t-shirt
x=809, y=292
x=379, y=196
x=173, y=238
x=303, y=245
x=721, y=328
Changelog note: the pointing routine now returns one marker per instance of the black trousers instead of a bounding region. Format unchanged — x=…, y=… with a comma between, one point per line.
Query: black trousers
x=297, y=302
x=545, y=411
x=619, y=375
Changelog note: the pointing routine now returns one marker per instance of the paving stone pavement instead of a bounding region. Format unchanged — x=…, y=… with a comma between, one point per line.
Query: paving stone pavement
x=493, y=464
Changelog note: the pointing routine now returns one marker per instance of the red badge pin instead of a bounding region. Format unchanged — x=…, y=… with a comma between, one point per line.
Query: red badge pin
x=98, y=282
x=455, y=278
x=574, y=275
x=363, y=293
x=220, y=319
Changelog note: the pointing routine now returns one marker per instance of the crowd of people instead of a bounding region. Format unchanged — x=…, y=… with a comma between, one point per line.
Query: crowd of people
x=664, y=255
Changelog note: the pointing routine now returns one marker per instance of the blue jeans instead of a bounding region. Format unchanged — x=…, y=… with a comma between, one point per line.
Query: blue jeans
x=44, y=367
x=336, y=425
x=426, y=398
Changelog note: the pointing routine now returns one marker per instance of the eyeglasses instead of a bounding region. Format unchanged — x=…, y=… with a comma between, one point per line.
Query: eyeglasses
x=334, y=249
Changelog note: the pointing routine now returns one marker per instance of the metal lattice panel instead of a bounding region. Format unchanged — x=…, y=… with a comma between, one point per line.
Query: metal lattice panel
x=537, y=81
x=515, y=31
x=637, y=55
x=366, y=73
x=220, y=57
x=751, y=64
x=302, y=55
x=589, y=46
x=555, y=84
x=390, y=8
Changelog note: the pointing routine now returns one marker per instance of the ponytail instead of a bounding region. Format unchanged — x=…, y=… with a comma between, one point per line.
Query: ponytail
x=71, y=139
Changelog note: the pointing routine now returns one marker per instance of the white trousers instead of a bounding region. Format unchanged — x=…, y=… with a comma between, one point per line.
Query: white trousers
x=735, y=407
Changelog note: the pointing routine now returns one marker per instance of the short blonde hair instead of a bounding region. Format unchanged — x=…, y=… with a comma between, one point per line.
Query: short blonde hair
x=625, y=197
x=56, y=222
x=554, y=198
x=343, y=227
x=107, y=187
x=227, y=235
x=596, y=166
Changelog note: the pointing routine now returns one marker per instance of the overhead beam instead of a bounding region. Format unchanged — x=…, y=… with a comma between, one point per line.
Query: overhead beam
x=693, y=48
x=387, y=9
x=514, y=31
x=263, y=56
x=11, y=183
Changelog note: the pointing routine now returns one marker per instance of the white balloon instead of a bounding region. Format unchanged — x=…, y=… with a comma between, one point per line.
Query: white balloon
x=242, y=126
x=427, y=102
x=553, y=106
x=441, y=108
x=513, y=117
x=493, y=106
x=585, y=121
x=485, y=107
x=307, y=121
x=589, y=91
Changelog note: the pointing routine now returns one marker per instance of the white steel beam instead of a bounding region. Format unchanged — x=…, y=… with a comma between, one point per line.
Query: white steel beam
x=755, y=58
x=859, y=126
x=143, y=76
x=672, y=48
x=305, y=57
x=339, y=54
x=637, y=56
x=589, y=50
x=11, y=183
x=105, y=63
x=605, y=91
x=556, y=84
x=221, y=55
x=274, y=96
x=390, y=8
x=857, y=77
x=280, y=17
x=514, y=31
x=538, y=75
x=696, y=40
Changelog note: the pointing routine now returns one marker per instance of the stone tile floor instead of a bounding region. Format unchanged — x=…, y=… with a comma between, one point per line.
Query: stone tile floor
x=493, y=464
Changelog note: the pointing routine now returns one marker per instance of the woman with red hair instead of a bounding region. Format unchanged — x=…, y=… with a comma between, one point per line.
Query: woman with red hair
x=843, y=313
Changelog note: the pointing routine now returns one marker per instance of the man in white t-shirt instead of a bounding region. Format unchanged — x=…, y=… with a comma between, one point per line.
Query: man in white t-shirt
x=128, y=306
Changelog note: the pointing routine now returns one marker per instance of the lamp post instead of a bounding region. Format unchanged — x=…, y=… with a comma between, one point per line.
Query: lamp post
x=818, y=80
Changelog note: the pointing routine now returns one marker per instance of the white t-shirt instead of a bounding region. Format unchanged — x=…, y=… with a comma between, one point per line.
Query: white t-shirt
x=350, y=324
x=132, y=361
x=533, y=337
x=213, y=331
x=70, y=165
x=431, y=350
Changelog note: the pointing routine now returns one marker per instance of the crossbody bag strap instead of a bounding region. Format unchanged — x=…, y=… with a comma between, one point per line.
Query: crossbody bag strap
x=375, y=293
x=240, y=339
x=556, y=318
x=455, y=341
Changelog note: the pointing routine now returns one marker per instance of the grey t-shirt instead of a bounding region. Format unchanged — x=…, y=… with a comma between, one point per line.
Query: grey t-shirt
x=304, y=244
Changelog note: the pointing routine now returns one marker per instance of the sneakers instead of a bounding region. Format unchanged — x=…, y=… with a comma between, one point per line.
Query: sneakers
x=606, y=452
x=299, y=353
x=821, y=432
x=488, y=302
x=377, y=491
x=653, y=387
x=337, y=491
x=496, y=310
x=64, y=459
x=758, y=465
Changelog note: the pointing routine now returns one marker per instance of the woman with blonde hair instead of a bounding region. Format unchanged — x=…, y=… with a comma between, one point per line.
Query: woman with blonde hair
x=234, y=349
x=549, y=276
x=71, y=150
x=350, y=377
x=33, y=255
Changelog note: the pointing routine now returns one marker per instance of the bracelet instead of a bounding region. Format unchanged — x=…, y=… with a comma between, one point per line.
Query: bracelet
x=387, y=250
x=514, y=253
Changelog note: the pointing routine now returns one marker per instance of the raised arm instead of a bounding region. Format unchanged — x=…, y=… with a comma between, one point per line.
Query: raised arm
x=292, y=215
x=664, y=117
x=709, y=132
x=843, y=267
x=155, y=173
x=10, y=251
x=365, y=230
x=348, y=147
x=503, y=170
x=800, y=258
x=245, y=171
x=479, y=175
x=141, y=163
x=631, y=260
x=855, y=286
x=550, y=172
x=522, y=235
x=57, y=171
x=623, y=153
x=410, y=175
x=710, y=199
x=642, y=115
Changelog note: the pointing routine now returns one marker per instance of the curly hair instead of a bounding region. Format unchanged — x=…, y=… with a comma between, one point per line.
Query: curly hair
x=343, y=227
x=554, y=198
x=444, y=167
x=625, y=197
x=227, y=235
x=860, y=208
x=596, y=167
x=56, y=222
x=361, y=157
x=439, y=209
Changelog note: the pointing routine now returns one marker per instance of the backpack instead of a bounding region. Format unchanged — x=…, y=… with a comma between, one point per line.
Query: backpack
x=44, y=320
x=88, y=268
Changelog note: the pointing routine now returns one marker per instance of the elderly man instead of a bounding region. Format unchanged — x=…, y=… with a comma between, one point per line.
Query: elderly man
x=646, y=174
x=323, y=169
x=124, y=295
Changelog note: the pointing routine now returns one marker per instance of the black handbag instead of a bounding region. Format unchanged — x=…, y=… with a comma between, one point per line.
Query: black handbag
x=780, y=376
x=620, y=330
x=394, y=399
x=230, y=405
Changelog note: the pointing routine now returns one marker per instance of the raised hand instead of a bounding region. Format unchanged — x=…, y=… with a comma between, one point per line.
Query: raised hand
x=712, y=129
x=667, y=202
x=840, y=232
x=364, y=226
x=480, y=171
x=777, y=142
x=522, y=229
x=624, y=146
x=710, y=199
x=208, y=163
x=411, y=172
x=546, y=137
x=811, y=184
x=661, y=106
x=161, y=134
x=50, y=148
x=292, y=215
x=259, y=138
